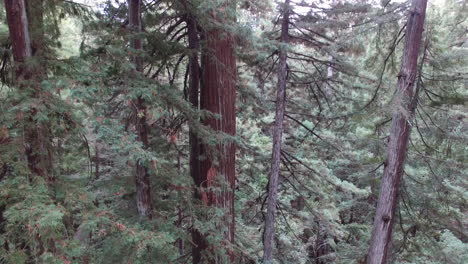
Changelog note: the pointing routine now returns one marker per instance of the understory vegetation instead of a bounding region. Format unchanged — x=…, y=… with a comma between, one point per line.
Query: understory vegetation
x=217, y=131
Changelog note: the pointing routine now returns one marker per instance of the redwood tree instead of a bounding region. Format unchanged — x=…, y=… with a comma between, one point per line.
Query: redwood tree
x=194, y=90
x=399, y=135
x=19, y=35
x=218, y=95
x=37, y=148
x=142, y=178
x=269, y=232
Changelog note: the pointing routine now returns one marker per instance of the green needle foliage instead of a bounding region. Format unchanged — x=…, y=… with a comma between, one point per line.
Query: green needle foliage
x=343, y=61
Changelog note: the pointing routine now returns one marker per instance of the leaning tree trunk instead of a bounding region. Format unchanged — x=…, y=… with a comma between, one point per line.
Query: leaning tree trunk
x=218, y=96
x=269, y=232
x=399, y=135
x=37, y=149
x=142, y=179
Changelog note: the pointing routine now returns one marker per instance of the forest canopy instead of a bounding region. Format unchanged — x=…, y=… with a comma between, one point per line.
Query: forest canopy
x=222, y=131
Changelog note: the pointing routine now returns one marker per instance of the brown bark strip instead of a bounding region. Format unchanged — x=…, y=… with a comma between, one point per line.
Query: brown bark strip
x=37, y=150
x=269, y=232
x=19, y=33
x=194, y=89
x=218, y=95
x=35, y=14
x=142, y=177
x=399, y=135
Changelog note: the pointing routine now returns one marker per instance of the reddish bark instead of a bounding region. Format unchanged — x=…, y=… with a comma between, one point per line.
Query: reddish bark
x=19, y=34
x=37, y=149
x=399, y=135
x=142, y=177
x=218, y=96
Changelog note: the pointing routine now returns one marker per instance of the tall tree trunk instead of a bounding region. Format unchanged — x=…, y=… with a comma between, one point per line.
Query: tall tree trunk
x=19, y=34
x=35, y=13
x=218, y=95
x=269, y=232
x=194, y=89
x=399, y=135
x=37, y=150
x=142, y=178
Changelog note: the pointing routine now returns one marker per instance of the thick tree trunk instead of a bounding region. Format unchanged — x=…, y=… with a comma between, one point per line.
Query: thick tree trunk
x=399, y=135
x=142, y=177
x=218, y=95
x=19, y=33
x=194, y=89
x=37, y=150
x=269, y=232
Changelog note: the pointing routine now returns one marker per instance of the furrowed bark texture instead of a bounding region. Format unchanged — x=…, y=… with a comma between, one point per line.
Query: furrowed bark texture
x=269, y=232
x=19, y=32
x=37, y=149
x=194, y=88
x=399, y=135
x=142, y=177
x=218, y=96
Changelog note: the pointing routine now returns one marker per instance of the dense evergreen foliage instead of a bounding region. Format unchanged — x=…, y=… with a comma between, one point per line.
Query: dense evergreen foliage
x=147, y=131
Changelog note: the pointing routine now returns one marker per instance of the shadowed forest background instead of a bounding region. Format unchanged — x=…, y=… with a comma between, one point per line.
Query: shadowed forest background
x=222, y=131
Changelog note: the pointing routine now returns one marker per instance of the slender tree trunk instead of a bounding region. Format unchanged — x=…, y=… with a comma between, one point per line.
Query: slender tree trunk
x=399, y=135
x=37, y=150
x=41, y=134
x=97, y=162
x=269, y=232
x=142, y=178
x=194, y=89
x=35, y=14
x=218, y=95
